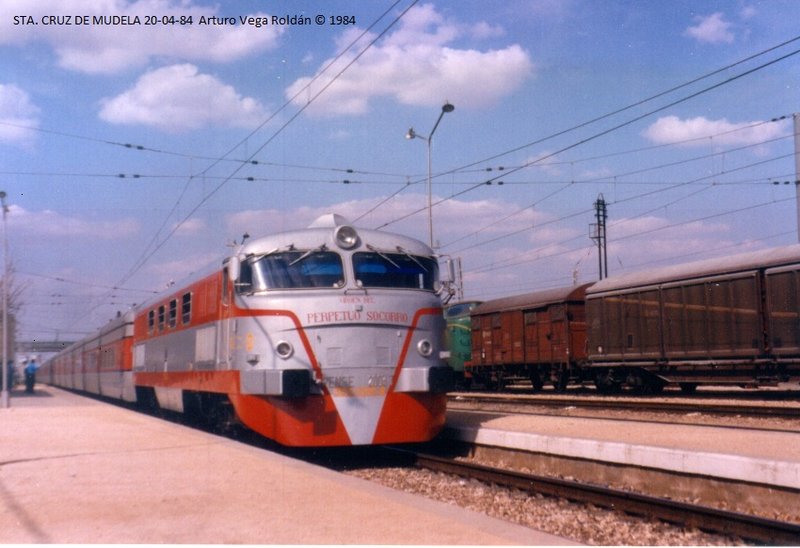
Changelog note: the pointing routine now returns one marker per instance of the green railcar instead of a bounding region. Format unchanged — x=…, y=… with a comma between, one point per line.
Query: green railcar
x=458, y=337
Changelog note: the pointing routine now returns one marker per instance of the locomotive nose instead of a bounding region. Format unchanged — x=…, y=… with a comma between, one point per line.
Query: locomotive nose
x=362, y=365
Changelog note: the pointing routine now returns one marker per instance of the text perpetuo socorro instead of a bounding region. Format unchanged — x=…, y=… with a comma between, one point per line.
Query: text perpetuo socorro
x=151, y=20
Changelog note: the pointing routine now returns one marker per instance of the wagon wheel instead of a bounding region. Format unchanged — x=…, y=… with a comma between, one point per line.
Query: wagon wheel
x=605, y=382
x=653, y=387
x=536, y=380
x=560, y=380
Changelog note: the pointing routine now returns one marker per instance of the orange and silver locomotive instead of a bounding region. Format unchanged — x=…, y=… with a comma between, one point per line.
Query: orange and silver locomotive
x=324, y=336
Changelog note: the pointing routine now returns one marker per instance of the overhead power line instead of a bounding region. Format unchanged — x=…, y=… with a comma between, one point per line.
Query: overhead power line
x=615, y=127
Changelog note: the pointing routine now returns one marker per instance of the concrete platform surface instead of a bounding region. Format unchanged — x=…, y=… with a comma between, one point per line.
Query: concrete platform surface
x=76, y=470
x=769, y=458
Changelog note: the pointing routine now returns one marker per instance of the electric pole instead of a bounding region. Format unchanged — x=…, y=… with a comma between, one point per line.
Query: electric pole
x=598, y=235
x=796, y=118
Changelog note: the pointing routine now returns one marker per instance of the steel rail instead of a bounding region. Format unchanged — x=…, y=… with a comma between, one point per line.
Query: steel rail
x=637, y=405
x=746, y=526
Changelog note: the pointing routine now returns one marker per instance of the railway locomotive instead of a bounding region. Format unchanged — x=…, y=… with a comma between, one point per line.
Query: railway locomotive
x=733, y=320
x=326, y=336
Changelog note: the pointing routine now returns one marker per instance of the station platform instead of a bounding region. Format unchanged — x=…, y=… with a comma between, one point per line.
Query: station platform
x=78, y=470
x=771, y=459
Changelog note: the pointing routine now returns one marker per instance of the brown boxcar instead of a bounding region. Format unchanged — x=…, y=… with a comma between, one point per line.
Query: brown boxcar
x=727, y=320
x=539, y=336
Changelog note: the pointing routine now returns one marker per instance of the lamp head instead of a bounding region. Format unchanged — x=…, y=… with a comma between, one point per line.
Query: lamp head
x=411, y=133
x=447, y=107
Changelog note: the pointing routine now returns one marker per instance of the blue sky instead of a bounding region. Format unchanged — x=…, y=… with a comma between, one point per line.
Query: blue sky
x=664, y=108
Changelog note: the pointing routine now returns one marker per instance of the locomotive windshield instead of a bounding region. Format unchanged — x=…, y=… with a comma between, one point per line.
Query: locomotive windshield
x=291, y=270
x=397, y=270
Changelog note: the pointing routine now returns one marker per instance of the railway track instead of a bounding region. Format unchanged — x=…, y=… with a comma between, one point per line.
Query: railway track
x=745, y=526
x=638, y=405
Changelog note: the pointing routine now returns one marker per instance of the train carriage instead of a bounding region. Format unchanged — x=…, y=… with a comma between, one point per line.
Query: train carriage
x=539, y=336
x=458, y=338
x=731, y=320
x=99, y=364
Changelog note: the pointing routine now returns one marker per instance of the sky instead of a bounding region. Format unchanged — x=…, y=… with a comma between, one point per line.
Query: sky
x=140, y=139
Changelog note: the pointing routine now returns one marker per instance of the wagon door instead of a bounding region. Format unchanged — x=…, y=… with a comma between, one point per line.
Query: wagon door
x=558, y=333
x=510, y=337
x=496, y=355
x=482, y=340
x=576, y=332
x=531, y=337
x=783, y=308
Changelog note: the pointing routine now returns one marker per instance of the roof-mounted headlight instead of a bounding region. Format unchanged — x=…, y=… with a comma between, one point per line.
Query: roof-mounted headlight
x=346, y=237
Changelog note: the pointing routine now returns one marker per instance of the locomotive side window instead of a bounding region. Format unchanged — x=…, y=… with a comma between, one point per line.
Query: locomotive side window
x=161, y=317
x=173, y=313
x=292, y=270
x=151, y=321
x=396, y=270
x=186, y=308
x=245, y=282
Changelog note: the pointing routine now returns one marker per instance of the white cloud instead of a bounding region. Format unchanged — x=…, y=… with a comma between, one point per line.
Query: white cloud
x=179, y=98
x=53, y=225
x=700, y=131
x=711, y=29
x=748, y=12
x=415, y=65
x=645, y=242
x=19, y=117
x=190, y=227
x=484, y=30
x=112, y=48
x=165, y=273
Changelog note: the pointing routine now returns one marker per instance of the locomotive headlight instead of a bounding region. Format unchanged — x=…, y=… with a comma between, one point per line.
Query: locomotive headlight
x=346, y=237
x=425, y=348
x=284, y=349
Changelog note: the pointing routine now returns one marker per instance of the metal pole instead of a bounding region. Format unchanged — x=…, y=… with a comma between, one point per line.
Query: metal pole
x=796, y=118
x=602, y=258
x=605, y=239
x=447, y=107
x=4, y=398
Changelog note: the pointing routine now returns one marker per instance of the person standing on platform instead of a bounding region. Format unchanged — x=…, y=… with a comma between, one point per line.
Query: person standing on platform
x=30, y=375
x=12, y=374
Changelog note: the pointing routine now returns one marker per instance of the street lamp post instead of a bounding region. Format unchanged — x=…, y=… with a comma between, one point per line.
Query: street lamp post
x=447, y=107
x=4, y=397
